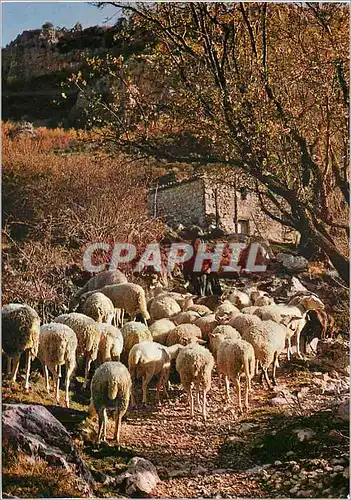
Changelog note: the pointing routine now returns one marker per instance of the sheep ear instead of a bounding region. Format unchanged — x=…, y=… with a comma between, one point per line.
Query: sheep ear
x=200, y=341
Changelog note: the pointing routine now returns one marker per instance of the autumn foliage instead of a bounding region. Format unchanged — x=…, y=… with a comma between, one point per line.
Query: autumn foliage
x=58, y=198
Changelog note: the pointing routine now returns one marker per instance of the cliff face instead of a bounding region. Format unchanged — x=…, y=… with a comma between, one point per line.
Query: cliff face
x=36, y=63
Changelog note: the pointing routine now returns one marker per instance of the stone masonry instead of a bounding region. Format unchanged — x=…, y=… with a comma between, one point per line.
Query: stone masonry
x=201, y=201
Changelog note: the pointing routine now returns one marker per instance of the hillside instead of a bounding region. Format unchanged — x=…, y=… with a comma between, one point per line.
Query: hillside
x=37, y=62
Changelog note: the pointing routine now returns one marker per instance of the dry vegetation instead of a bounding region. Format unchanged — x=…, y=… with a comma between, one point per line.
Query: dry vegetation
x=55, y=202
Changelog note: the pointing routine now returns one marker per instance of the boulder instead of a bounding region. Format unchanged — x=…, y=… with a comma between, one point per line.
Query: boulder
x=140, y=477
x=34, y=431
x=293, y=263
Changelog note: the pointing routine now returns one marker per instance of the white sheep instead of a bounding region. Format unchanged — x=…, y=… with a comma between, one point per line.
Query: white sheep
x=268, y=340
x=98, y=307
x=207, y=324
x=57, y=347
x=296, y=311
x=164, y=306
x=96, y=282
x=236, y=357
x=145, y=360
x=220, y=333
x=243, y=322
x=20, y=333
x=185, y=317
x=184, y=334
x=195, y=364
x=225, y=310
x=128, y=297
x=88, y=336
x=133, y=333
x=264, y=300
x=249, y=310
x=110, y=345
x=110, y=390
x=160, y=329
x=239, y=299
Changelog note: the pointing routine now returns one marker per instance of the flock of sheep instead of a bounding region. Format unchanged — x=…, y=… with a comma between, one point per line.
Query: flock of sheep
x=243, y=332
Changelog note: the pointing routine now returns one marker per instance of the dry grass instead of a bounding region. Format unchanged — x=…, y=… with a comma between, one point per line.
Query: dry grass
x=55, y=204
x=25, y=478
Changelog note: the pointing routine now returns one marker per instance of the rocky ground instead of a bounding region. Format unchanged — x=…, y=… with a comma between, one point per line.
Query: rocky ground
x=293, y=442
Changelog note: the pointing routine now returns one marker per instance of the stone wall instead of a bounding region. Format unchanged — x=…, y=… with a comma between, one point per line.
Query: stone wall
x=201, y=201
x=180, y=203
x=248, y=210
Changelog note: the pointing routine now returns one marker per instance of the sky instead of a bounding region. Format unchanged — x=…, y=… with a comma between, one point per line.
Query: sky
x=19, y=16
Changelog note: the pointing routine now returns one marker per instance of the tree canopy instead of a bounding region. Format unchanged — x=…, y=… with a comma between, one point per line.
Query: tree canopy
x=257, y=88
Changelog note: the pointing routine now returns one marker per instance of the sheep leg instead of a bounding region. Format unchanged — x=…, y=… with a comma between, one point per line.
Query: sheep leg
x=237, y=383
x=275, y=364
x=122, y=316
x=69, y=370
x=101, y=415
x=87, y=369
x=146, y=380
x=46, y=378
x=204, y=414
x=118, y=425
x=191, y=399
x=257, y=366
x=265, y=373
x=226, y=380
x=247, y=390
x=57, y=376
x=289, y=348
x=28, y=360
x=298, y=333
x=165, y=379
x=16, y=360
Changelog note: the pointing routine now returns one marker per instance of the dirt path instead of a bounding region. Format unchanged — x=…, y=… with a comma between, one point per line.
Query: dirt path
x=225, y=457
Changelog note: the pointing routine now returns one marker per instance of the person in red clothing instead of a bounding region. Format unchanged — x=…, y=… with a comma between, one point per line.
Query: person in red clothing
x=203, y=282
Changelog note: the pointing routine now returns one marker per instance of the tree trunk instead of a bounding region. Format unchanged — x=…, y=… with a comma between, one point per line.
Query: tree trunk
x=340, y=263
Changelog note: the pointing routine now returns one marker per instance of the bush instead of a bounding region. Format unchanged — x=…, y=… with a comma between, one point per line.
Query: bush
x=55, y=204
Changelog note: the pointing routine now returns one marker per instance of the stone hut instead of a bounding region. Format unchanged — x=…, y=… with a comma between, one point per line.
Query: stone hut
x=202, y=201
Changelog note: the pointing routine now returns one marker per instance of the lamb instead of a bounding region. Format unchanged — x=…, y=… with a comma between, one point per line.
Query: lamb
x=195, y=364
x=133, y=333
x=225, y=310
x=57, y=346
x=207, y=324
x=236, y=357
x=88, y=336
x=297, y=310
x=184, y=334
x=110, y=390
x=164, y=307
x=268, y=340
x=145, y=360
x=127, y=297
x=99, y=307
x=243, y=322
x=20, y=333
x=110, y=345
x=185, y=317
x=239, y=299
x=96, y=282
